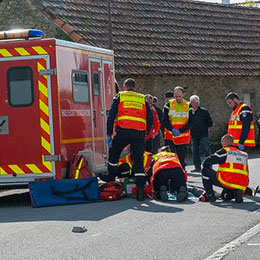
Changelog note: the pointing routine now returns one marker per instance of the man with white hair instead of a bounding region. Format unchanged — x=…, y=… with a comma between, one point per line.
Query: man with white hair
x=199, y=122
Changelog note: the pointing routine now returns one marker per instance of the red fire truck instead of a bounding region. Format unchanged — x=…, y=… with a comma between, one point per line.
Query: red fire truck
x=54, y=95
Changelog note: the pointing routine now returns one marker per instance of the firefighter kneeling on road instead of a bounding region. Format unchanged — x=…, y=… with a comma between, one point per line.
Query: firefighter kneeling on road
x=134, y=119
x=125, y=165
x=232, y=173
x=166, y=173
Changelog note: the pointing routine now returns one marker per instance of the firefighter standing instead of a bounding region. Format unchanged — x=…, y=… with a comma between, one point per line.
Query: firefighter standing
x=157, y=139
x=166, y=169
x=232, y=173
x=241, y=124
x=176, y=114
x=168, y=95
x=133, y=117
x=155, y=129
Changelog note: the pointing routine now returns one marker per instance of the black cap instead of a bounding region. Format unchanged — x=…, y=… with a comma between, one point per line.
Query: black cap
x=168, y=94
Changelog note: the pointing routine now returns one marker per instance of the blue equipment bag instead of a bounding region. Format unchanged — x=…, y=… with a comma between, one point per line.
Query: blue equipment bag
x=63, y=192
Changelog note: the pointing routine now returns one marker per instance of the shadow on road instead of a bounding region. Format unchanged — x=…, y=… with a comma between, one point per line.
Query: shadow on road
x=17, y=208
x=17, y=200
x=251, y=204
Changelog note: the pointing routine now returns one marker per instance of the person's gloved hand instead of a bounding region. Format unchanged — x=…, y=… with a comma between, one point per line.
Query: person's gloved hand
x=109, y=141
x=175, y=132
x=241, y=147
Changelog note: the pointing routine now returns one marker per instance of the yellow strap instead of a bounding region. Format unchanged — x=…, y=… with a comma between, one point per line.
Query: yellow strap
x=77, y=171
x=159, y=155
x=145, y=159
x=179, y=123
x=223, y=169
x=128, y=161
x=168, y=159
x=182, y=135
x=249, y=142
x=238, y=109
x=155, y=164
x=238, y=126
x=235, y=186
x=132, y=96
x=132, y=118
x=246, y=141
x=134, y=105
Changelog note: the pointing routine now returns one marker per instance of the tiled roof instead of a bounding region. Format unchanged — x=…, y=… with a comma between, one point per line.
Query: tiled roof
x=179, y=37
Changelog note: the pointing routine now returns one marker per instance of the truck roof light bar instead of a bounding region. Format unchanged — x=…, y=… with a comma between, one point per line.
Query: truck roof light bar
x=21, y=34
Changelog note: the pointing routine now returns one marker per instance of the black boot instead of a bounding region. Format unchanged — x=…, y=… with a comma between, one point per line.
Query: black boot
x=182, y=194
x=163, y=193
x=156, y=195
x=238, y=196
x=249, y=191
x=227, y=194
x=208, y=197
x=140, y=194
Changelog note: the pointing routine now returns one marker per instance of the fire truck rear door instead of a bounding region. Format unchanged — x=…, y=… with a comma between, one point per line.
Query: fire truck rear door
x=108, y=89
x=26, y=131
x=97, y=105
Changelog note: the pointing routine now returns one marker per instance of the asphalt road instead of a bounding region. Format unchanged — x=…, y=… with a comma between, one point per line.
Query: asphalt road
x=128, y=229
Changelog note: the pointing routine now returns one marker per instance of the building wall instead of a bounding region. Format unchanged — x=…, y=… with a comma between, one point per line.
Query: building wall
x=23, y=14
x=211, y=90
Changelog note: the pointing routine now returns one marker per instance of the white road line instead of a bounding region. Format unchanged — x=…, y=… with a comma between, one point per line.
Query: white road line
x=98, y=234
x=235, y=243
x=253, y=244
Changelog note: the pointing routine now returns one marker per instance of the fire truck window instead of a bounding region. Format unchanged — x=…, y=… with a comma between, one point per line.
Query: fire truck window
x=80, y=87
x=96, y=83
x=20, y=86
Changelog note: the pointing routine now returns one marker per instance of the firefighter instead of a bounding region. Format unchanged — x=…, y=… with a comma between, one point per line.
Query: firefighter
x=168, y=95
x=155, y=129
x=134, y=118
x=117, y=89
x=176, y=115
x=166, y=169
x=157, y=139
x=241, y=124
x=232, y=173
x=125, y=165
x=258, y=125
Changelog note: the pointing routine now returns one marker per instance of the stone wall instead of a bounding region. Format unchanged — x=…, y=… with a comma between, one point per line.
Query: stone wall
x=211, y=90
x=22, y=14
